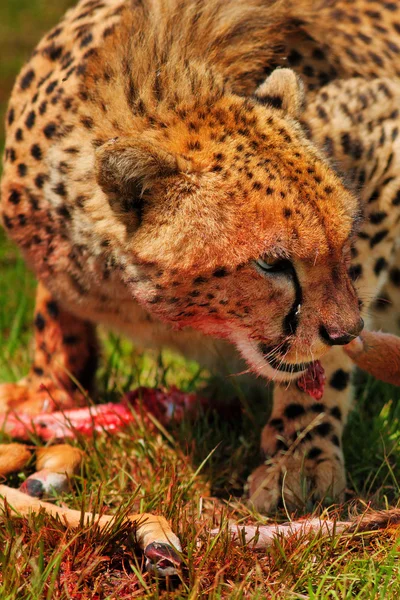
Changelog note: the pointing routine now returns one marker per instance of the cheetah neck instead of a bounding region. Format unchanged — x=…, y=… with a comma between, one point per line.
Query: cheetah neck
x=197, y=45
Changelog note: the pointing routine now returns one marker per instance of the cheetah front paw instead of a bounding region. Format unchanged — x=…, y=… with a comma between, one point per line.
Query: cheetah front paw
x=296, y=477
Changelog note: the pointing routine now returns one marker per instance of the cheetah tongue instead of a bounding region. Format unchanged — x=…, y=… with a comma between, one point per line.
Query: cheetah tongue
x=313, y=381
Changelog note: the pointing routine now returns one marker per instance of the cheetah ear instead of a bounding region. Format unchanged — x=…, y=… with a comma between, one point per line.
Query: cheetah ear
x=283, y=89
x=127, y=167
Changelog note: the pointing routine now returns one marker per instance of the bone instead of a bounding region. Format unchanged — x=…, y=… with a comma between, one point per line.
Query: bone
x=263, y=536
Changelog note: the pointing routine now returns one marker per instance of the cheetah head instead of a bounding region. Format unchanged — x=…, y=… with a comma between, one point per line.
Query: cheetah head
x=228, y=220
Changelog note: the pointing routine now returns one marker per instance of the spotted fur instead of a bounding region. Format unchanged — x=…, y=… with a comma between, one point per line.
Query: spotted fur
x=356, y=122
x=149, y=166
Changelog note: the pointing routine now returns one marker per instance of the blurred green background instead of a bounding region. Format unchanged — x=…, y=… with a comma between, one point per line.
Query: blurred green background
x=22, y=23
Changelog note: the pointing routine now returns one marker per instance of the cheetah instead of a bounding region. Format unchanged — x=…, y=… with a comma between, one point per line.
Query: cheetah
x=163, y=178
x=356, y=122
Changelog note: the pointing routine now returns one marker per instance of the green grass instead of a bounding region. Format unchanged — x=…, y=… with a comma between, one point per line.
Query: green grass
x=147, y=469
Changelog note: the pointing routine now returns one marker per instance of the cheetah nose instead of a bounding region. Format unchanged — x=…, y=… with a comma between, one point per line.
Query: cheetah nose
x=336, y=337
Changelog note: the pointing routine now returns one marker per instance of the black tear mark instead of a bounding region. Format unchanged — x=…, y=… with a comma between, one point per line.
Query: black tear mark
x=291, y=321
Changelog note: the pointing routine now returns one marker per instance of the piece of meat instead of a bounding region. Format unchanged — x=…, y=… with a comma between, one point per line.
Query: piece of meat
x=67, y=424
x=313, y=381
x=164, y=405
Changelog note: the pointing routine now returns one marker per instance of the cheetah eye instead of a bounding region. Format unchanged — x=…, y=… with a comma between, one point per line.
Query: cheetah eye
x=269, y=264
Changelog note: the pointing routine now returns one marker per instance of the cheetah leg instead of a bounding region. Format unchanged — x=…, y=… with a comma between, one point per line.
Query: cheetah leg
x=302, y=441
x=65, y=359
x=153, y=533
x=385, y=311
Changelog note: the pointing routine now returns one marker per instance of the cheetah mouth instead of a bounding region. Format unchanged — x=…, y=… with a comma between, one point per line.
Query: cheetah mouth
x=312, y=382
x=277, y=363
x=265, y=361
x=310, y=376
